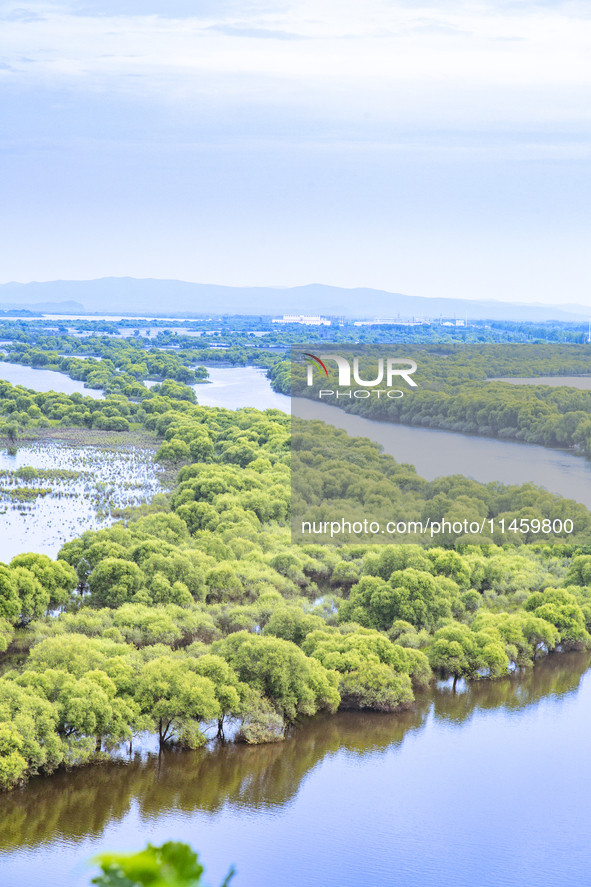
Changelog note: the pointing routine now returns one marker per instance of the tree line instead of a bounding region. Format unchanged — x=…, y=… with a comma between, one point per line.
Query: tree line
x=454, y=391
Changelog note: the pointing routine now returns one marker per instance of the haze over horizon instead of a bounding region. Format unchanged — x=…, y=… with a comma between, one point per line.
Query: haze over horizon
x=116, y=295
x=437, y=149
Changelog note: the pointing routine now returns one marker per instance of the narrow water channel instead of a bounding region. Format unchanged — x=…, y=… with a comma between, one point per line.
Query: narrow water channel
x=44, y=380
x=434, y=453
x=583, y=383
x=440, y=453
x=235, y=387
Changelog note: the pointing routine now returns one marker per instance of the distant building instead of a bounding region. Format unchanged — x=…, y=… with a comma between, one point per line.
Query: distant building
x=307, y=319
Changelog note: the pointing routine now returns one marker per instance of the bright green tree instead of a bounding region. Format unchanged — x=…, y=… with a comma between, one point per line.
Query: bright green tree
x=176, y=699
x=281, y=672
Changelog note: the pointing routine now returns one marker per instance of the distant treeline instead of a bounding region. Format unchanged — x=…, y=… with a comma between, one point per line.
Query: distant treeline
x=122, y=360
x=453, y=393
x=122, y=366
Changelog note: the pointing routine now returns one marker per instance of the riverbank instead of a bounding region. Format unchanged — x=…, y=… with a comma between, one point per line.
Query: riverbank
x=436, y=453
x=283, y=813
x=207, y=593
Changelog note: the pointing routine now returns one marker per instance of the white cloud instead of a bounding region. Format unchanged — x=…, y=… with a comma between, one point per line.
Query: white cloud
x=449, y=64
x=429, y=147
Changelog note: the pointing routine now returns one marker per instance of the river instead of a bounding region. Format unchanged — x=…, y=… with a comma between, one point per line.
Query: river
x=44, y=380
x=235, y=387
x=581, y=382
x=481, y=788
x=434, y=453
x=440, y=453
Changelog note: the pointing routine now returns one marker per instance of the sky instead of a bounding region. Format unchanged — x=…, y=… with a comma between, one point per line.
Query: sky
x=433, y=149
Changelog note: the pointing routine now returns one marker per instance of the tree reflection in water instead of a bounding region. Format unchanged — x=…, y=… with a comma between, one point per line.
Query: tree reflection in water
x=73, y=806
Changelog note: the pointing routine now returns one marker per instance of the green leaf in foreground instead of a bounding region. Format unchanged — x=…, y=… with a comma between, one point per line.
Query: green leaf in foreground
x=174, y=864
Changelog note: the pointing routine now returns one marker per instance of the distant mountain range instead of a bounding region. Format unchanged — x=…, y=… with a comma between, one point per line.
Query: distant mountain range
x=128, y=295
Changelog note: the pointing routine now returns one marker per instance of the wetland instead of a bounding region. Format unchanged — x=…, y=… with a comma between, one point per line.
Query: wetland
x=404, y=716
x=54, y=488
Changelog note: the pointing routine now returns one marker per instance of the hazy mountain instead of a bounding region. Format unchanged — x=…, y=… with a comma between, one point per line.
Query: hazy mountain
x=170, y=297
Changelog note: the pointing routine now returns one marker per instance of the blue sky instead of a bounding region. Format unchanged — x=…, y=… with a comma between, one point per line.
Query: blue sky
x=436, y=149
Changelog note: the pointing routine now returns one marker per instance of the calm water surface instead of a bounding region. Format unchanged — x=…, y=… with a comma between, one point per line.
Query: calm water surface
x=433, y=453
x=44, y=380
x=235, y=387
x=582, y=382
x=107, y=478
x=441, y=453
x=483, y=788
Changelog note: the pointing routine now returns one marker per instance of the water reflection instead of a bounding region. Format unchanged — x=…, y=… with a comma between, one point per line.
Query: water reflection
x=94, y=481
x=557, y=676
x=70, y=807
x=235, y=387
